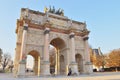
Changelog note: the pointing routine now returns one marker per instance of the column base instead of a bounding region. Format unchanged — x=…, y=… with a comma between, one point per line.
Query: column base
x=88, y=68
x=21, y=71
x=46, y=68
x=15, y=70
x=67, y=70
x=74, y=68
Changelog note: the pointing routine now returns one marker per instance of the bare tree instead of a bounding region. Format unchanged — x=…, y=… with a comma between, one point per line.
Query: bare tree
x=5, y=59
x=10, y=65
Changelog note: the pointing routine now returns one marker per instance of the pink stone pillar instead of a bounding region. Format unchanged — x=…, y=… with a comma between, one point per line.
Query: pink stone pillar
x=87, y=55
x=22, y=63
x=46, y=44
x=88, y=68
x=73, y=63
x=46, y=63
x=72, y=41
x=23, y=45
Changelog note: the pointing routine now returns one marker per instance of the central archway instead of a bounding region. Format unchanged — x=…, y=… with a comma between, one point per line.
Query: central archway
x=57, y=56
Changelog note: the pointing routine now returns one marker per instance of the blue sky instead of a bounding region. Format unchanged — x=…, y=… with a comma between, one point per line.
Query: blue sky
x=102, y=18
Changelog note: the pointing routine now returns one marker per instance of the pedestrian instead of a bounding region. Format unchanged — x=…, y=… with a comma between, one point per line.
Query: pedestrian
x=27, y=70
x=70, y=72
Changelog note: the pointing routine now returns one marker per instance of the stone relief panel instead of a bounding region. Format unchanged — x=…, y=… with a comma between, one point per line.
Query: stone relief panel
x=35, y=31
x=35, y=37
x=36, y=19
x=79, y=43
x=79, y=27
x=59, y=23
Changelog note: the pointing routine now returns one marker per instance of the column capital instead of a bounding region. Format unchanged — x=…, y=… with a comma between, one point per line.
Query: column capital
x=47, y=30
x=72, y=34
x=85, y=38
x=25, y=26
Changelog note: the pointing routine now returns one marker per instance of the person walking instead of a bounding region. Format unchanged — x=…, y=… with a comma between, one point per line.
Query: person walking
x=70, y=72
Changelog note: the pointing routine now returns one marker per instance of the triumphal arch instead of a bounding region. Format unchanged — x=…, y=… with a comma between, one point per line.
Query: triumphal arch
x=36, y=31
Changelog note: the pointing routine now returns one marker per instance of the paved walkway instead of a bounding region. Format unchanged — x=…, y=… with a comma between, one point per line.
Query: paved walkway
x=94, y=76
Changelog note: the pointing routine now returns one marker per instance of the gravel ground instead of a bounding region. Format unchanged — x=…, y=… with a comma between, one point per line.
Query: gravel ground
x=94, y=76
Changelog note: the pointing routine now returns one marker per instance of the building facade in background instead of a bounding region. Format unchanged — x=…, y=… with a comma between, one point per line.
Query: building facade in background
x=37, y=32
x=97, y=52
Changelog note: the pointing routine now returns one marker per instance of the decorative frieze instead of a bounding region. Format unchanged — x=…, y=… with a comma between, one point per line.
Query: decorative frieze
x=54, y=29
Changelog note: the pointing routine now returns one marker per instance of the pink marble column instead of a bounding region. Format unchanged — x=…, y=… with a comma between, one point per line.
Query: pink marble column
x=72, y=46
x=73, y=63
x=46, y=63
x=88, y=64
x=46, y=44
x=87, y=55
x=23, y=45
x=22, y=63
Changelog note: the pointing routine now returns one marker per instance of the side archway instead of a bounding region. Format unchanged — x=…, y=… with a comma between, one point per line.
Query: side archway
x=36, y=62
x=79, y=62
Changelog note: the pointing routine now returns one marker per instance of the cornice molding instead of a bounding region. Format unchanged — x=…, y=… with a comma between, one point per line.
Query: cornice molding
x=54, y=29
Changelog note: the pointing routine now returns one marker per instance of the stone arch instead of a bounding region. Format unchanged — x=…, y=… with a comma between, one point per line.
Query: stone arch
x=60, y=36
x=30, y=48
x=36, y=68
x=59, y=45
x=79, y=62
